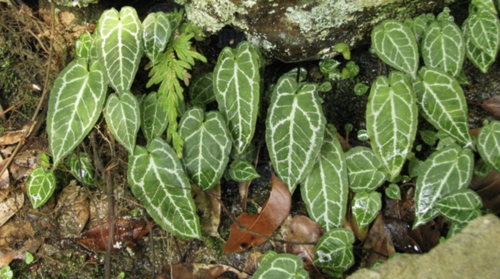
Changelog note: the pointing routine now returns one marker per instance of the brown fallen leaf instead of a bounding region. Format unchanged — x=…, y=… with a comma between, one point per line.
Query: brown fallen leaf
x=10, y=205
x=11, y=137
x=343, y=142
x=208, y=208
x=488, y=189
x=12, y=235
x=303, y=229
x=4, y=179
x=73, y=210
x=378, y=243
x=202, y=271
x=493, y=106
x=273, y=212
x=127, y=232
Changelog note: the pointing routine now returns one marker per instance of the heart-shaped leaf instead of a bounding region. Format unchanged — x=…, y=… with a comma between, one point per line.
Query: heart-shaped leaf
x=119, y=46
x=123, y=117
x=393, y=191
x=81, y=168
x=237, y=86
x=157, y=32
x=444, y=172
x=442, y=103
x=206, y=146
x=483, y=28
x=325, y=189
x=443, y=47
x=40, y=186
x=461, y=206
x=479, y=58
x=294, y=129
x=82, y=46
x=283, y=266
x=75, y=103
x=364, y=169
x=483, y=4
x=488, y=144
x=420, y=24
x=334, y=250
x=156, y=177
x=153, y=117
x=391, y=120
x=365, y=207
x=242, y=171
x=395, y=44
x=201, y=90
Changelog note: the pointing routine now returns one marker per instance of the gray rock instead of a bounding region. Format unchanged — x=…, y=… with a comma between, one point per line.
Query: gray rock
x=295, y=30
x=473, y=253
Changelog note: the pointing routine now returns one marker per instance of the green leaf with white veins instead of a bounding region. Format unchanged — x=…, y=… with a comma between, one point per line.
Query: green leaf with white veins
x=444, y=172
x=420, y=24
x=325, y=189
x=40, y=186
x=156, y=177
x=443, y=47
x=365, y=170
x=483, y=28
x=242, y=171
x=334, y=250
x=479, y=58
x=484, y=4
x=119, y=46
x=153, y=117
x=201, y=90
x=365, y=207
x=82, y=46
x=391, y=120
x=81, y=168
x=157, y=32
x=395, y=44
x=75, y=103
x=488, y=144
x=282, y=266
x=461, y=206
x=295, y=128
x=123, y=118
x=442, y=103
x=236, y=86
x=206, y=146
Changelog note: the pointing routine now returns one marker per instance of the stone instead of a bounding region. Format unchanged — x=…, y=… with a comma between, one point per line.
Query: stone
x=470, y=254
x=297, y=30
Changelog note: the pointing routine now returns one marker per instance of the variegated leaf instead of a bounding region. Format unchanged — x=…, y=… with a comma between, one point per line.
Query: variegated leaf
x=153, y=117
x=201, y=90
x=283, y=266
x=479, y=58
x=236, y=87
x=483, y=4
x=294, y=129
x=40, y=186
x=75, y=103
x=123, y=118
x=206, y=146
x=391, y=120
x=247, y=155
x=442, y=103
x=365, y=170
x=242, y=171
x=488, y=144
x=393, y=192
x=325, y=189
x=444, y=172
x=395, y=44
x=82, y=46
x=81, y=168
x=156, y=177
x=365, y=207
x=334, y=250
x=483, y=28
x=420, y=24
x=443, y=47
x=460, y=206
x=157, y=32
x=119, y=46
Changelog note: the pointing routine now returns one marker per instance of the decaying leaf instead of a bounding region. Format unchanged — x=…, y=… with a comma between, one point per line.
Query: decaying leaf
x=273, y=212
x=127, y=232
x=73, y=210
x=493, y=106
x=11, y=137
x=378, y=242
x=208, y=208
x=303, y=229
x=10, y=205
x=488, y=189
x=203, y=271
x=16, y=237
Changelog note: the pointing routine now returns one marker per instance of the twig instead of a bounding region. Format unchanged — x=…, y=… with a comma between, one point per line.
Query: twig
x=111, y=222
x=13, y=106
x=44, y=94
